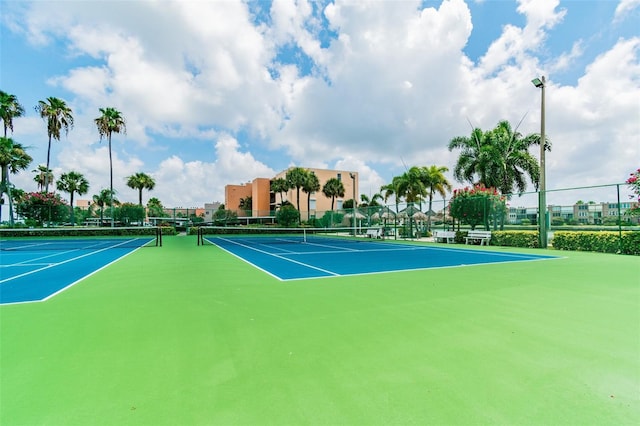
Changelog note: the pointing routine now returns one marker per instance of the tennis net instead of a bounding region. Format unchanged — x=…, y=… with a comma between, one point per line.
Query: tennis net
x=79, y=238
x=267, y=235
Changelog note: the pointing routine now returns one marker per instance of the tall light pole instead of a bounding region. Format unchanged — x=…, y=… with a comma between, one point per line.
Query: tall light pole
x=353, y=178
x=542, y=195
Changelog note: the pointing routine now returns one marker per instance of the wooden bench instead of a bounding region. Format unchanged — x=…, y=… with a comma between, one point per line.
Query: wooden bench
x=374, y=233
x=444, y=236
x=482, y=236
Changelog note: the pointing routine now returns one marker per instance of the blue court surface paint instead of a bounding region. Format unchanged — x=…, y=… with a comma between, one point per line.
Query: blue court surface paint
x=29, y=276
x=310, y=260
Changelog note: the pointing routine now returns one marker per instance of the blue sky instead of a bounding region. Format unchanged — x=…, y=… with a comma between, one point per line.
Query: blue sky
x=223, y=92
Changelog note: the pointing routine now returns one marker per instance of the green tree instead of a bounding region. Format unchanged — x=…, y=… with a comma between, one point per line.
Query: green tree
x=411, y=186
x=246, y=204
x=474, y=206
x=43, y=175
x=10, y=108
x=287, y=216
x=141, y=181
x=498, y=158
x=73, y=183
x=280, y=186
x=43, y=207
x=130, y=212
x=434, y=181
x=155, y=208
x=111, y=121
x=333, y=188
x=393, y=189
x=58, y=117
x=311, y=185
x=13, y=158
x=105, y=198
x=296, y=178
x=370, y=202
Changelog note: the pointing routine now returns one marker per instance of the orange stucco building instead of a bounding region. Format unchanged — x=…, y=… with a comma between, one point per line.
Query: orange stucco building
x=264, y=201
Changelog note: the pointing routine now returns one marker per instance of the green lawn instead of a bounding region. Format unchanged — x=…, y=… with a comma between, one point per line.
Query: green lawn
x=187, y=335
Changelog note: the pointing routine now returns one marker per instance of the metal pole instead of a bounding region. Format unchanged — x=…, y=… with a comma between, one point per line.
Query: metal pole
x=353, y=178
x=542, y=195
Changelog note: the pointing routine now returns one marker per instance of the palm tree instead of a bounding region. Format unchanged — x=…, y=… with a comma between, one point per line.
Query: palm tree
x=296, y=178
x=13, y=158
x=370, y=202
x=141, y=181
x=111, y=121
x=280, y=186
x=43, y=175
x=105, y=198
x=155, y=208
x=58, y=117
x=434, y=181
x=10, y=108
x=333, y=188
x=311, y=185
x=73, y=183
x=512, y=160
x=392, y=189
x=497, y=159
x=246, y=204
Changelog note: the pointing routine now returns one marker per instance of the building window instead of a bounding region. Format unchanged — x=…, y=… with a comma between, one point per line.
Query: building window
x=339, y=176
x=339, y=204
x=312, y=204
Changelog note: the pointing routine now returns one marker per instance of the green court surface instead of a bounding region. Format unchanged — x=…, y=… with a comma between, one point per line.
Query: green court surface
x=188, y=335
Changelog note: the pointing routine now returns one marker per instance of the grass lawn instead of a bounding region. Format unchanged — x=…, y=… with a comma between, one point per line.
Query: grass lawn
x=188, y=335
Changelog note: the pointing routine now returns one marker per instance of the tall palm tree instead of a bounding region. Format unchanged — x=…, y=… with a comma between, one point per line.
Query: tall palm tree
x=296, y=178
x=434, y=181
x=43, y=175
x=105, y=198
x=497, y=159
x=141, y=181
x=370, y=202
x=511, y=159
x=392, y=189
x=73, y=183
x=13, y=158
x=280, y=186
x=411, y=185
x=58, y=117
x=311, y=185
x=10, y=108
x=333, y=188
x=111, y=121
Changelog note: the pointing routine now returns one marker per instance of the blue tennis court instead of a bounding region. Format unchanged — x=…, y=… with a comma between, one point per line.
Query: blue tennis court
x=294, y=259
x=37, y=269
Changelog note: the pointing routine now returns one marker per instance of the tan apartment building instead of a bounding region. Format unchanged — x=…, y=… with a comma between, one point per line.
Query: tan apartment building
x=264, y=202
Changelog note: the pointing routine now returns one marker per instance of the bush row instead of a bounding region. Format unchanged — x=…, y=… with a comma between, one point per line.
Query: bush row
x=603, y=241
x=599, y=241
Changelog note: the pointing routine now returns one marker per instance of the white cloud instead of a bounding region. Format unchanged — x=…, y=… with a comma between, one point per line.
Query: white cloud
x=624, y=8
x=393, y=87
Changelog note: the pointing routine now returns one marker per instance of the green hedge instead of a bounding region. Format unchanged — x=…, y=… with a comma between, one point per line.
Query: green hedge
x=602, y=241
x=527, y=239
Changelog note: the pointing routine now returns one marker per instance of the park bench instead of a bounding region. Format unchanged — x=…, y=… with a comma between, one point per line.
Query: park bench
x=482, y=236
x=444, y=236
x=374, y=233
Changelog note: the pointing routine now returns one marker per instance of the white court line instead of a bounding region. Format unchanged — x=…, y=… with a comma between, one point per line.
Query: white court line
x=306, y=265
x=63, y=262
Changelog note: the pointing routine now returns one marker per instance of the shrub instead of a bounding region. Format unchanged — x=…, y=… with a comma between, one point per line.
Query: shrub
x=527, y=239
x=603, y=241
x=287, y=216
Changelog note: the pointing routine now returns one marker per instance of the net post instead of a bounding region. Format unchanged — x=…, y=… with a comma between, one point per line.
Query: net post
x=159, y=236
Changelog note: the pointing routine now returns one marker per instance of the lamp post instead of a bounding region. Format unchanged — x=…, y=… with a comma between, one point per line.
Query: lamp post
x=353, y=178
x=542, y=195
